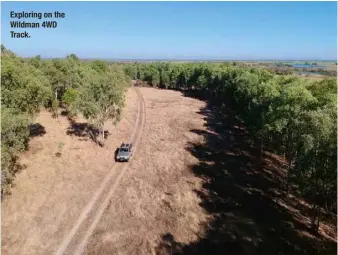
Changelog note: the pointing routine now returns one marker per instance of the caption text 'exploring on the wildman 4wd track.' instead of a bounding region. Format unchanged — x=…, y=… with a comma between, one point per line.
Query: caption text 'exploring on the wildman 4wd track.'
x=33, y=20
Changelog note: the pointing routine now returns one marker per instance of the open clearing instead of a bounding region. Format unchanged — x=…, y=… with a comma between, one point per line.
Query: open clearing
x=191, y=186
x=51, y=192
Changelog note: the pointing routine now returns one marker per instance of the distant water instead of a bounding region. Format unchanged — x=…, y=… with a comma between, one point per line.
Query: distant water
x=307, y=66
x=310, y=73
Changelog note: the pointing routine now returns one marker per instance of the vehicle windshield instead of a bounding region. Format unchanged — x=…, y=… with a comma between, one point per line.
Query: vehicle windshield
x=123, y=149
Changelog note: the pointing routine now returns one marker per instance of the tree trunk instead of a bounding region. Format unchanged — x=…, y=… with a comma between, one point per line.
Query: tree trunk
x=262, y=148
x=102, y=136
x=315, y=219
x=289, y=157
x=262, y=137
x=318, y=219
x=288, y=180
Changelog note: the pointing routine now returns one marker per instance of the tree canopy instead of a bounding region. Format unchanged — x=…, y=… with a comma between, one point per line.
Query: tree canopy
x=296, y=118
x=94, y=88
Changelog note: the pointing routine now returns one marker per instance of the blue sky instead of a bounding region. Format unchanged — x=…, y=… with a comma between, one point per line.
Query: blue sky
x=202, y=30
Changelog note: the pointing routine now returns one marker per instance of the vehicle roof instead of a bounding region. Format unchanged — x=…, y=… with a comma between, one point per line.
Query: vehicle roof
x=125, y=145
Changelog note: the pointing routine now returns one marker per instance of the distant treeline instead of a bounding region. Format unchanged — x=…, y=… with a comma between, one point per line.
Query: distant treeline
x=290, y=116
x=286, y=70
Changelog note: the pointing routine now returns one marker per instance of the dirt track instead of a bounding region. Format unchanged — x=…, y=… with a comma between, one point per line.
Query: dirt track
x=91, y=214
x=50, y=207
x=156, y=196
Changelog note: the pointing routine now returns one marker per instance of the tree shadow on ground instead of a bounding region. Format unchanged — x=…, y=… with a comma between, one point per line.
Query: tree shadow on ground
x=249, y=213
x=8, y=176
x=64, y=113
x=36, y=130
x=86, y=131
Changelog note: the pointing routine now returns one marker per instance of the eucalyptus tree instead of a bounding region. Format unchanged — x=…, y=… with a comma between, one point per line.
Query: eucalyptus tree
x=152, y=75
x=258, y=95
x=316, y=164
x=286, y=117
x=102, y=99
x=70, y=101
x=14, y=139
x=23, y=86
x=131, y=71
x=164, y=75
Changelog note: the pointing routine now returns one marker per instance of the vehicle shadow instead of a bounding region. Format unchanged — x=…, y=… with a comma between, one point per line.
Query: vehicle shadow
x=115, y=154
x=243, y=197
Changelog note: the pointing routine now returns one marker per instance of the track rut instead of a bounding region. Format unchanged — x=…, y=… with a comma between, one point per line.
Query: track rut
x=76, y=239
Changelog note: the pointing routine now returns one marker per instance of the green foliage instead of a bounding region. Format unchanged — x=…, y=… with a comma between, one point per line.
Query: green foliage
x=94, y=87
x=55, y=108
x=70, y=96
x=99, y=66
x=103, y=97
x=295, y=118
x=73, y=57
x=131, y=71
x=14, y=130
x=70, y=100
x=64, y=74
x=14, y=139
x=316, y=165
x=35, y=61
x=152, y=76
x=25, y=90
x=23, y=86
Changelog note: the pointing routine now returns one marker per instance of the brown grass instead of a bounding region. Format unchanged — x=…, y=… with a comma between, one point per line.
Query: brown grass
x=51, y=192
x=156, y=194
x=191, y=188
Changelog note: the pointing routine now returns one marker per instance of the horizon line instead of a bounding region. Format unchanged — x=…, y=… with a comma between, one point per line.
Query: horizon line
x=194, y=59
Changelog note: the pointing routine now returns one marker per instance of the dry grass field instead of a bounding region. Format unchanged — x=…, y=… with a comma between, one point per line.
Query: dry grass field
x=52, y=191
x=192, y=187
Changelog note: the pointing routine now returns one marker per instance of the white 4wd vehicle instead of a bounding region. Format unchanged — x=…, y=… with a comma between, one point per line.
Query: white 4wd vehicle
x=124, y=152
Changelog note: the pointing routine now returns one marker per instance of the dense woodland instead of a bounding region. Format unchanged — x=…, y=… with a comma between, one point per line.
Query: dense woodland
x=289, y=116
